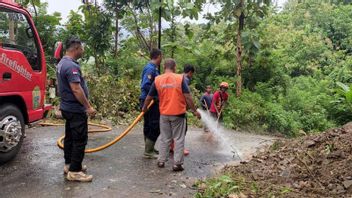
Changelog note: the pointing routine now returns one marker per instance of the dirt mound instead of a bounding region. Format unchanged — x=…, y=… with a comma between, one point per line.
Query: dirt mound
x=312, y=166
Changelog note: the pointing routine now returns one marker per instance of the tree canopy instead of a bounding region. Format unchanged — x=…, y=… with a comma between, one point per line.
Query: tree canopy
x=290, y=68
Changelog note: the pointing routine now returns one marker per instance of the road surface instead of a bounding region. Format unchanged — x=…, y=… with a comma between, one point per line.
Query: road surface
x=119, y=171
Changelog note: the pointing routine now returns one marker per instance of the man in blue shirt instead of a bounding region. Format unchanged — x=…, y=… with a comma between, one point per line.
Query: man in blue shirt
x=206, y=98
x=188, y=71
x=205, y=102
x=75, y=107
x=151, y=127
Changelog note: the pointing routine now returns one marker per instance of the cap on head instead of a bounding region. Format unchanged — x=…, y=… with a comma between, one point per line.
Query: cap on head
x=224, y=84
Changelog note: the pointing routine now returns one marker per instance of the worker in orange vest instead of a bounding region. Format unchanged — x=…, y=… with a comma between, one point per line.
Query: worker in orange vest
x=188, y=71
x=174, y=96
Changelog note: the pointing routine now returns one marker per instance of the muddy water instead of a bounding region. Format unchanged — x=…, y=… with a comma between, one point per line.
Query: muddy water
x=119, y=171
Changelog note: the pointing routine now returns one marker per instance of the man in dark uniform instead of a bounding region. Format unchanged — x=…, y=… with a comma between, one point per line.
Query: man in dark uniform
x=151, y=127
x=188, y=71
x=75, y=109
x=205, y=102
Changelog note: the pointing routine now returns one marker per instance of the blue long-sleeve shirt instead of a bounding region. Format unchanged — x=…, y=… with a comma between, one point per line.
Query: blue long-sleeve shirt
x=206, y=100
x=149, y=73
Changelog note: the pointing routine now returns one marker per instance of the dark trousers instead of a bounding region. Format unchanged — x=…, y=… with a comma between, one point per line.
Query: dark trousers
x=151, y=127
x=76, y=137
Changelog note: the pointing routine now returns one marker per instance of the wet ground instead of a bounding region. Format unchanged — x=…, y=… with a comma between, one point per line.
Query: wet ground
x=119, y=171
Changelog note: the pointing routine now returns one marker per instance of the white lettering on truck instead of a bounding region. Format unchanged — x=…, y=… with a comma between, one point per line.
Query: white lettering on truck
x=12, y=64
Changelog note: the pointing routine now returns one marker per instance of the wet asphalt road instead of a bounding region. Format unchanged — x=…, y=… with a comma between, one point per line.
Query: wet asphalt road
x=119, y=171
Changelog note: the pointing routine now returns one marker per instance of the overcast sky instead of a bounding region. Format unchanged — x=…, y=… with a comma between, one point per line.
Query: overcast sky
x=64, y=6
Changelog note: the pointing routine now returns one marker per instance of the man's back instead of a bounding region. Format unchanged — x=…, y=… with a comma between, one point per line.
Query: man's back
x=148, y=76
x=68, y=71
x=170, y=88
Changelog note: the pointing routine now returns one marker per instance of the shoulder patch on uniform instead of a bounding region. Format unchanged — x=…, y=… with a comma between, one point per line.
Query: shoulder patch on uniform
x=74, y=71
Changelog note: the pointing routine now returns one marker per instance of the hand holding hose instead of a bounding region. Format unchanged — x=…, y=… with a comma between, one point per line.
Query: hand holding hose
x=147, y=103
x=91, y=112
x=206, y=106
x=197, y=114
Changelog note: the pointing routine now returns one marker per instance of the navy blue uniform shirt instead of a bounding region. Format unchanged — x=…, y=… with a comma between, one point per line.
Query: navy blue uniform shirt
x=187, y=79
x=206, y=100
x=148, y=76
x=69, y=71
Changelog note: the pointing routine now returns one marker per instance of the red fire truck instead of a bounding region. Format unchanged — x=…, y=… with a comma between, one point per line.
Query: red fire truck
x=22, y=77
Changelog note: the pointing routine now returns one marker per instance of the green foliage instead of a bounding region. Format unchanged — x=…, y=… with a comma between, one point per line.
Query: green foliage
x=280, y=120
x=218, y=187
x=292, y=60
x=303, y=107
x=346, y=92
x=115, y=99
x=343, y=103
x=310, y=99
x=237, y=116
x=47, y=25
x=97, y=28
x=74, y=26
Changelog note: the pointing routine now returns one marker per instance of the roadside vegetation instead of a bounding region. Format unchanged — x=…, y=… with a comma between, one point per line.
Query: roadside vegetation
x=289, y=69
x=292, y=76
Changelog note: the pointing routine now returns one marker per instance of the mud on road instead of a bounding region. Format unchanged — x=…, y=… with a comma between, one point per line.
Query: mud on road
x=121, y=170
x=314, y=166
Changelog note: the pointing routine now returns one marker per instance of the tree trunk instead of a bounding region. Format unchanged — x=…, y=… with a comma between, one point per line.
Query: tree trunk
x=239, y=64
x=159, y=26
x=12, y=30
x=139, y=34
x=173, y=36
x=96, y=61
x=35, y=10
x=116, y=33
x=239, y=55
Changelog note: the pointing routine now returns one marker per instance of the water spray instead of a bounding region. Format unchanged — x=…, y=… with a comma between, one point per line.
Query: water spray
x=218, y=131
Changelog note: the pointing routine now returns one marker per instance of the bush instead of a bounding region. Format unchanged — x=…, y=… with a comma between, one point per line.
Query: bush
x=304, y=105
x=244, y=111
x=310, y=99
x=280, y=120
x=115, y=99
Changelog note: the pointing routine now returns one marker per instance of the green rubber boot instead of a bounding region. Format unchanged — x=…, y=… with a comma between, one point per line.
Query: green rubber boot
x=149, y=149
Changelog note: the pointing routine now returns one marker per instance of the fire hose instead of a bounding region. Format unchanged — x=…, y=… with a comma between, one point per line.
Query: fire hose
x=103, y=128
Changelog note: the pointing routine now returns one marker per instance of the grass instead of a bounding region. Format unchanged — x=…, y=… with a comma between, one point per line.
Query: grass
x=221, y=186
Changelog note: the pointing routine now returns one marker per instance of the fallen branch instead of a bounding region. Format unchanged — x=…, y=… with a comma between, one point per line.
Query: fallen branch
x=309, y=171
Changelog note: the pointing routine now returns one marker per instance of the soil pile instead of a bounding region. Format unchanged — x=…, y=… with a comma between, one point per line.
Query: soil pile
x=312, y=166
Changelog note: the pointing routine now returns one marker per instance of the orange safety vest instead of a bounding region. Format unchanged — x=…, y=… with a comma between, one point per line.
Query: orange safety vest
x=171, y=98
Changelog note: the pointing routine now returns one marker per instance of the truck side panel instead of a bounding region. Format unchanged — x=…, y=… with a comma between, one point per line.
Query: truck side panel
x=17, y=76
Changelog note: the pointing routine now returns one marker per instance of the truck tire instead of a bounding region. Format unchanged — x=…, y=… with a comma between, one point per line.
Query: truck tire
x=12, y=130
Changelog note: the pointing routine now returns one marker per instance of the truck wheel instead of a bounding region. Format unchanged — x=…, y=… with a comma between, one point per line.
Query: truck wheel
x=11, y=131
